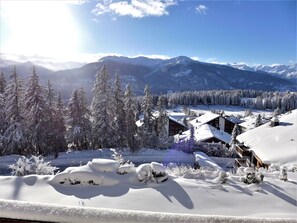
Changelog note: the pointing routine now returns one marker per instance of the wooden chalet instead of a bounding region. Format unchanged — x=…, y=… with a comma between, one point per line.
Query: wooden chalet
x=218, y=121
x=269, y=143
x=175, y=127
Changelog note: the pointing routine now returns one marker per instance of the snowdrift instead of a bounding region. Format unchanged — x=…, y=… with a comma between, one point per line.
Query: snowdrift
x=40, y=212
x=107, y=172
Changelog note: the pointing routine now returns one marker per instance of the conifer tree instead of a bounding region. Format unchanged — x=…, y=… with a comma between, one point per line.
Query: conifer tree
x=130, y=120
x=101, y=110
x=118, y=117
x=56, y=126
x=162, y=124
x=59, y=141
x=37, y=116
x=258, y=121
x=2, y=104
x=2, y=83
x=85, y=122
x=162, y=119
x=148, y=133
x=15, y=134
x=235, y=133
x=147, y=107
x=74, y=134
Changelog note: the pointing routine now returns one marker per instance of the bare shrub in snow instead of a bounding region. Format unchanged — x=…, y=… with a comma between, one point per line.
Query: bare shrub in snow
x=33, y=165
x=273, y=167
x=222, y=178
x=283, y=173
x=118, y=157
x=252, y=176
x=292, y=168
x=183, y=171
x=125, y=166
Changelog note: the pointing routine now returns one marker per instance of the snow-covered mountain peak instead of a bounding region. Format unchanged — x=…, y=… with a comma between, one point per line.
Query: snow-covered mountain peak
x=285, y=71
x=180, y=60
x=141, y=60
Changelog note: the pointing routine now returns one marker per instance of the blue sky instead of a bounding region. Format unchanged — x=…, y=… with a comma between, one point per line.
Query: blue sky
x=254, y=32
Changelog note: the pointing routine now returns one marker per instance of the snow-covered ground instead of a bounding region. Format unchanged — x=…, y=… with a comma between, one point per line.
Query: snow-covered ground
x=229, y=110
x=199, y=196
x=187, y=196
x=77, y=158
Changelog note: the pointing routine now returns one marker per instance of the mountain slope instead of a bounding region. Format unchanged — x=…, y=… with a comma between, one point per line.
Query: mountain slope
x=24, y=70
x=284, y=71
x=171, y=75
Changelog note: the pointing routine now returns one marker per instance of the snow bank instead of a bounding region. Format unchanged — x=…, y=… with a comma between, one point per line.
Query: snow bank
x=158, y=168
x=126, y=168
x=99, y=172
x=205, y=161
x=151, y=172
x=104, y=165
x=40, y=212
x=143, y=171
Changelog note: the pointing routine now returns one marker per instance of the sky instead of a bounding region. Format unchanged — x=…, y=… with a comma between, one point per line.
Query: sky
x=251, y=32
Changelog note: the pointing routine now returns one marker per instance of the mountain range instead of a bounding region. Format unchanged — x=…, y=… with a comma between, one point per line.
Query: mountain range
x=285, y=71
x=163, y=76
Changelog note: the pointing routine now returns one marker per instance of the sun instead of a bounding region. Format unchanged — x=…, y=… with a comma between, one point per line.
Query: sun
x=45, y=28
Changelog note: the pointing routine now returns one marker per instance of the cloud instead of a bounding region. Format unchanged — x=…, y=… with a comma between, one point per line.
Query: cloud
x=201, y=9
x=77, y=2
x=134, y=8
x=196, y=58
x=152, y=56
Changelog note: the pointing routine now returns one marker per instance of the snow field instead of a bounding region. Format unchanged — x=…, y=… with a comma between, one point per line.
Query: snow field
x=58, y=213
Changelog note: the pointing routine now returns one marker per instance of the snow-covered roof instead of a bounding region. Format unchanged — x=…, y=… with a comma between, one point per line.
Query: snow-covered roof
x=176, y=115
x=204, y=119
x=249, y=123
x=205, y=132
x=276, y=144
x=139, y=123
x=173, y=119
x=233, y=119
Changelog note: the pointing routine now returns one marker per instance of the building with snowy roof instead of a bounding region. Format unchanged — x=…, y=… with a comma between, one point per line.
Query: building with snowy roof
x=173, y=126
x=269, y=143
x=205, y=133
x=218, y=121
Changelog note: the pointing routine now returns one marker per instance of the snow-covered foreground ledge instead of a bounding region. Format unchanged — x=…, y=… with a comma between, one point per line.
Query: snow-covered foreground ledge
x=58, y=213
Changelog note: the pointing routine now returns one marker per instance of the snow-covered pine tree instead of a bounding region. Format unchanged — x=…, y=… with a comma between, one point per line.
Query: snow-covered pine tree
x=162, y=124
x=235, y=133
x=2, y=121
x=130, y=120
x=102, y=134
x=247, y=112
x=15, y=135
x=37, y=116
x=147, y=108
x=276, y=112
x=118, y=119
x=56, y=126
x=73, y=121
x=2, y=83
x=49, y=98
x=258, y=120
x=85, y=121
x=59, y=142
x=148, y=133
x=2, y=104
